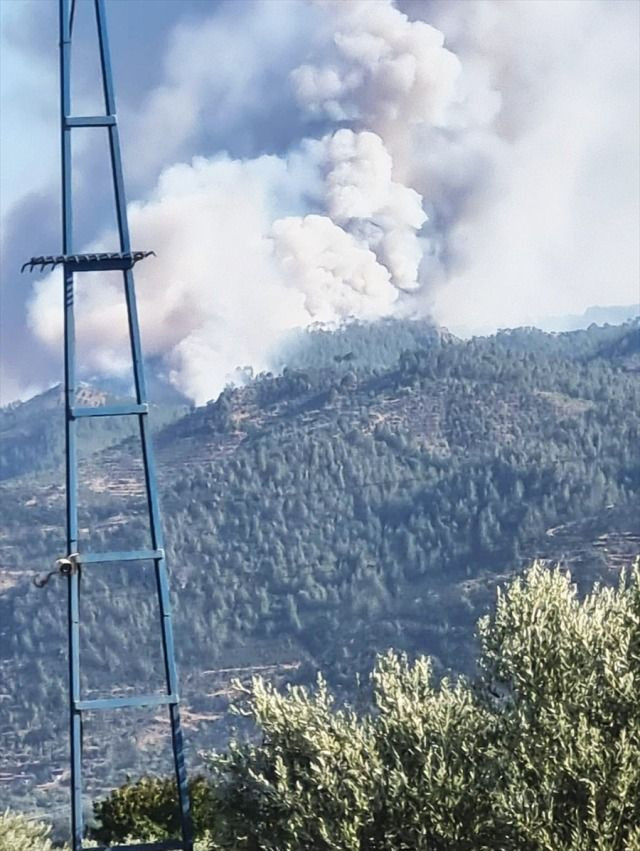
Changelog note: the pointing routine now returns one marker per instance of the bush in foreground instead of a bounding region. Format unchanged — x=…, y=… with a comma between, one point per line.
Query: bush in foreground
x=540, y=753
x=19, y=833
x=148, y=809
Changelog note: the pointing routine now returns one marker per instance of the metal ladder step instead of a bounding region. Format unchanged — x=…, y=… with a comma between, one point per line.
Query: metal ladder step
x=109, y=410
x=120, y=702
x=89, y=120
x=127, y=555
x=166, y=845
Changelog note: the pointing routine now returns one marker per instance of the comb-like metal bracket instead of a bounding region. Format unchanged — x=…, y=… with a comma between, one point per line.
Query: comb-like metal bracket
x=88, y=262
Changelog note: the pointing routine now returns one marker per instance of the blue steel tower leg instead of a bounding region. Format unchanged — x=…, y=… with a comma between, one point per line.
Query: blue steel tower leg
x=147, y=452
x=70, y=433
x=124, y=261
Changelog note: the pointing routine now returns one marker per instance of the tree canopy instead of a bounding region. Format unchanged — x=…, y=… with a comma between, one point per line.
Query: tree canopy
x=539, y=751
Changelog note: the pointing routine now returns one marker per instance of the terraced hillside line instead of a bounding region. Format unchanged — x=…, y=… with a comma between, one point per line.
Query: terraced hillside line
x=566, y=405
x=618, y=547
x=610, y=539
x=147, y=730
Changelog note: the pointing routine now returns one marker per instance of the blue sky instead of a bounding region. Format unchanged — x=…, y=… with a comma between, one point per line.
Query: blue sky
x=298, y=161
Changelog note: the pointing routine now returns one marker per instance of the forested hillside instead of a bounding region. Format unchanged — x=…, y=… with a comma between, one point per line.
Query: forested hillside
x=370, y=496
x=31, y=438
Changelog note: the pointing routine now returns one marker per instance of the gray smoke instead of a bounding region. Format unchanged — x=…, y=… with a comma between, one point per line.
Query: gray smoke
x=477, y=170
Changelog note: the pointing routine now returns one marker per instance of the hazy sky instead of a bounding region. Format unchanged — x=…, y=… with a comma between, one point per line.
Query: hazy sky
x=294, y=162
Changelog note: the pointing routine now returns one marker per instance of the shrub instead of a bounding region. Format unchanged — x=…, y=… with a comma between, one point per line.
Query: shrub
x=541, y=752
x=148, y=810
x=19, y=833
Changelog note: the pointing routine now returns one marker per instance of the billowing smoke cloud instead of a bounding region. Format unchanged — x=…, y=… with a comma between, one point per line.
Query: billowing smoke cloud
x=212, y=300
x=534, y=195
x=337, y=276
x=231, y=276
x=361, y=195
x=381, y=71
x=470, y=183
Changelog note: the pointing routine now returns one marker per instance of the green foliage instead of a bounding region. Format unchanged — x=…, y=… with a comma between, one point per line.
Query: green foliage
x=19, y=833
x=435, y=780
x=540, y=753
x=148, y=810
x=568, y=675
x=357, y=345
x=308, y=784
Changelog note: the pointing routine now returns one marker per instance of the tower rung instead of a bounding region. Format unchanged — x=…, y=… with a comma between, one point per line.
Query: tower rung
x=111, y=264
x=166, y=845
x=89, y=120
x=120, y=702
x=109, y=410
x=131, y=555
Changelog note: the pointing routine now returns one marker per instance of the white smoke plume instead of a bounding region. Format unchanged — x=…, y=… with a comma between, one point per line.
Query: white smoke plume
x=212, y=300
x=473, y=183
x=337, y=276
x=361, y=195
x=383, y=70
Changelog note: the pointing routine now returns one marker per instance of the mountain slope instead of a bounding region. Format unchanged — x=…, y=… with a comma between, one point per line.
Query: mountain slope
x=313, y=519
x=32, y=432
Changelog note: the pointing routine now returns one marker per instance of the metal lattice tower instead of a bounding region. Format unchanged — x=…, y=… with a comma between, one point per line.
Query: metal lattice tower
x=73, y=564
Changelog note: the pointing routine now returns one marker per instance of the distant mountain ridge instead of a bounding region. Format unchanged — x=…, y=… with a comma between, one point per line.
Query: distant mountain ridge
x=598, y=315
x=610, y=315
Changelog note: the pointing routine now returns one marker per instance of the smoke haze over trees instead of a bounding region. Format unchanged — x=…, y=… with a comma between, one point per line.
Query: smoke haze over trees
x=360, y=159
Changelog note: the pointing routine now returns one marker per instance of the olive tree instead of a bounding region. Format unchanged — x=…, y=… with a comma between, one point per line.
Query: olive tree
x=20, y=833
x=540, y=752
